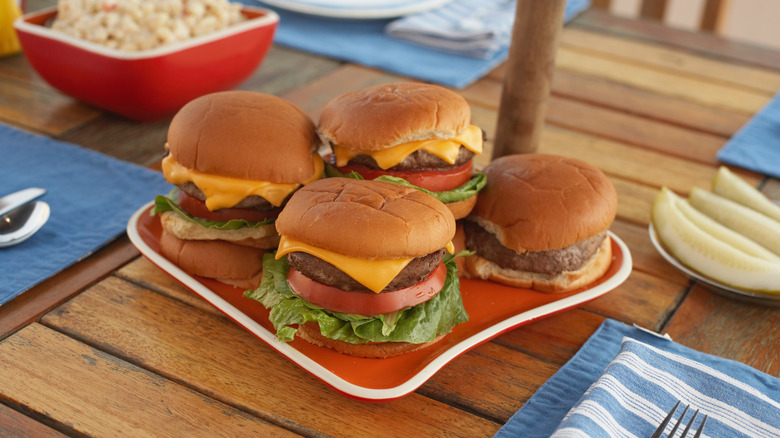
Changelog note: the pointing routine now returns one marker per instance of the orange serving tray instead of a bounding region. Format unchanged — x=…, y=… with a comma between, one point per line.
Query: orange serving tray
x=493, y=309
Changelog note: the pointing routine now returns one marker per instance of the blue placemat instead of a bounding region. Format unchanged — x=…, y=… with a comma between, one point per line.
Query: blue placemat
x=624, y=380
x=91, y=196
x=756, y=146
x=365, y=42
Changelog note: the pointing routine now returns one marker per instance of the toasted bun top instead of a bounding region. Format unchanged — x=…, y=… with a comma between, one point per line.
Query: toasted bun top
x=243, y=134
x=367, y=219
x=537, y=202
x=387, y=115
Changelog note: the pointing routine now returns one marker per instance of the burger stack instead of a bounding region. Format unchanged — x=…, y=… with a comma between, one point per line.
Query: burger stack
x=414, y=134
x=356, y=253
x=541, y=223
x=235, y=158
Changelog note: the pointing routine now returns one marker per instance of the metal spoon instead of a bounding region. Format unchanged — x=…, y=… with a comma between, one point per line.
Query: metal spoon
x=17, y=199
x=22, y=222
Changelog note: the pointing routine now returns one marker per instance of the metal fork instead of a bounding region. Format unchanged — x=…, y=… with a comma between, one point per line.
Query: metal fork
x=679, y=421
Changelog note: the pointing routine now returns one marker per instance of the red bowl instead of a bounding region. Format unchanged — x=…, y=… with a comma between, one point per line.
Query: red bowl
x=150, y=84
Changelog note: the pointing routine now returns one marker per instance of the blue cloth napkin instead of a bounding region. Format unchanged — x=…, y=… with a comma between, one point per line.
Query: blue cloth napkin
x=477, y=28
x=625, y=380
x=91, y=196
x=365, y=42
x=756, y=146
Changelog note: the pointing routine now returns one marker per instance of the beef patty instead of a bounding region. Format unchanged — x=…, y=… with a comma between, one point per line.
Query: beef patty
x=553, y=261
x=252, y=202
x=319, y=270
x=418, y=160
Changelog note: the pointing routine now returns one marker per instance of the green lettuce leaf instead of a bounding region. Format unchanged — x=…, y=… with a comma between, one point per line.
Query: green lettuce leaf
x=467, y=190
x=170, y=203
x=332, y=172
x=416, y=324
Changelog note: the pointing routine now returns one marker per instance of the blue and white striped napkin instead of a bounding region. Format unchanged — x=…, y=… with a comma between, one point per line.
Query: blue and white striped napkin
x=476, y=28
x=756, y=146
x=624, y=381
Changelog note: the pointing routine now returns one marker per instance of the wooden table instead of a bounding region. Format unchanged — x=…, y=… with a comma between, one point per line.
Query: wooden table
x=115, y=346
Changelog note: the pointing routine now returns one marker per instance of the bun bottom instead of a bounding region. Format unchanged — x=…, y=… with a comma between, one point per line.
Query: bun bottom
x=565, y=281
x=263, y=237
x=462, y=208
x=310, y=332
x=235, y=265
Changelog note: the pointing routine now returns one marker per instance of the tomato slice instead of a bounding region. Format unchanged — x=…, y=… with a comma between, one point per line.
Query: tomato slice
x=433, y=180
x=197, y=208
x=366, y=303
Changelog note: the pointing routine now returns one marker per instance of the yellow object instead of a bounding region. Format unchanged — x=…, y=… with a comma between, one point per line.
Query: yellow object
x=726, y=234
x=225, y=192
x=706, y=253
x=9, y=41
x=746, y=221
x=450, y=248
x=729, y=185
x=446, y=149
x=373, y=274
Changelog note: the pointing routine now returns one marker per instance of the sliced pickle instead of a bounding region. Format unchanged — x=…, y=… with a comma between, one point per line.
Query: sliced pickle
x=729, y=185
x=705, y=253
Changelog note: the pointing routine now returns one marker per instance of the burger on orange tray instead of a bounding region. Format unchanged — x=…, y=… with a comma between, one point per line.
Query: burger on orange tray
x=541, y=222
x=362, y=268
x=235, y=158
x=417, y=133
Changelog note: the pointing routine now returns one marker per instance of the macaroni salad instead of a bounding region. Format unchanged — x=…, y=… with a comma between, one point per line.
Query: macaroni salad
x=143, y=24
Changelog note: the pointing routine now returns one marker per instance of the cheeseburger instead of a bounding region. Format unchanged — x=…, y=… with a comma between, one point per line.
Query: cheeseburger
x=407, y=133
x=541, y=222
x=362, y=268
x=235, y=158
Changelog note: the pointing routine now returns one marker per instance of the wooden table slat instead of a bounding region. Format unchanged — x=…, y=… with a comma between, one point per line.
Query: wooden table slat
x=42, y=297
x=191, y=347
x=671, y=84
x=727, y=327
x=120, y=397
x=673, y=60
x=14, y=424
x=702, y=43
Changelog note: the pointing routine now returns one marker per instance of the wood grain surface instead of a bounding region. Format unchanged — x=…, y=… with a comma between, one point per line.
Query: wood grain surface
x=115, y=346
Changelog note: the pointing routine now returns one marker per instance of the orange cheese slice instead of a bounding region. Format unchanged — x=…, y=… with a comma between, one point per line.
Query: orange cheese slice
x=373, y=274
x=225, y=192
x=446, y=149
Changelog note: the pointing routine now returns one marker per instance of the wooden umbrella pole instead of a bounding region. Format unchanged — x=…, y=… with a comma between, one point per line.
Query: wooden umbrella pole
x=528, y=76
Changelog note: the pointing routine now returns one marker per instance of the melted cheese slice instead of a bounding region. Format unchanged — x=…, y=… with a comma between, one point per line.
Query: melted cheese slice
x=373, y=274
x=225, y=192
x=446, y=149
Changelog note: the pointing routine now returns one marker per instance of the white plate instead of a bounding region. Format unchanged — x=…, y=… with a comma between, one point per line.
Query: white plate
x=713, y=285
x=357, y=9
x=493, y=309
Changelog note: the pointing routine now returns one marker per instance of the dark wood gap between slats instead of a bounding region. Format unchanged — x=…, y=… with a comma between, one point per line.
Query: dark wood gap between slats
x=17, y=421
x=664, y=320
